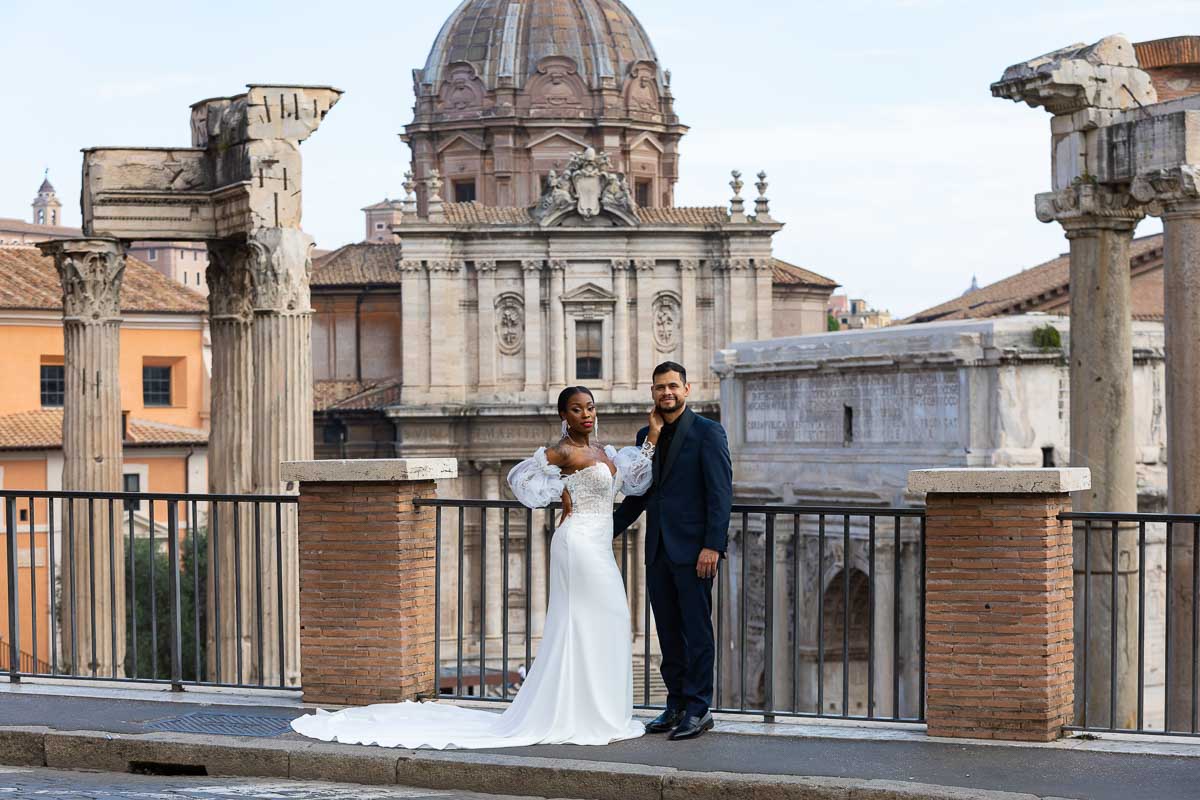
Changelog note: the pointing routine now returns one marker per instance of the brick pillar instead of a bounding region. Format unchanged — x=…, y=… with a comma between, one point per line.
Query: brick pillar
x=367, y=557
x=998, y=601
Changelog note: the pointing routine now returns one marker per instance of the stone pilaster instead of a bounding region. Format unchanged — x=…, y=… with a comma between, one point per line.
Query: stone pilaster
x=489, y=472
x=485, y=271
x=1099, y=225
x=91, y=272
x=742, y=300
x=283, y=413
x=693, y=348
x=646, y=353
x=1175, y=196
x=622, y=375
x=534, y=375
x=764, y=286
x=414, y=300
x=558, y=329
x=230, y=456
x=447, y=340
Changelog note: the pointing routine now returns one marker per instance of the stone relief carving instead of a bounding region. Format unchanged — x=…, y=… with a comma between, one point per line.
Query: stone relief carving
x=461, y=91
x=557, y=84
x=280, y=264
x=587, y=186
x=91, y=272
x=230, y=282
x=667, y=315
x=510, y=324
x=641, y=92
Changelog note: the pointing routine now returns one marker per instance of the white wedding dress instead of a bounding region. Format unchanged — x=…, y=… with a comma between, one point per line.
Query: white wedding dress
x=579, y=689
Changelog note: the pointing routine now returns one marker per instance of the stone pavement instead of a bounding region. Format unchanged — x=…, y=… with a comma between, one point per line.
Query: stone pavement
x=116, y=730
x=54, y=784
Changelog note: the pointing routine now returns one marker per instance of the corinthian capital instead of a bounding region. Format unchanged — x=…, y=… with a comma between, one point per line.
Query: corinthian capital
x=91, y=271
x=1165, y=189
x=280, y=263
x=1086, y=205
x=531, y=264
x=230, y=281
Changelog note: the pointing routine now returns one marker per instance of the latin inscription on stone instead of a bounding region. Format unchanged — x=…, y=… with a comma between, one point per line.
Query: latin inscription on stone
x=904, y=407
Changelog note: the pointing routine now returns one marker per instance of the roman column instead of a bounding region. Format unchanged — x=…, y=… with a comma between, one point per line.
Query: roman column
x=1099, y=224
x=621, y=371
x=282, y=427
x=93, y=579
x=231, y=317
x=534, y=381
x=493, y=560
x=1174, y=195
x=558, y=329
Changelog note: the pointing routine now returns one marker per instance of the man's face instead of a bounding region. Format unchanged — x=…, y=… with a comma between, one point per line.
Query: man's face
x=670, y=392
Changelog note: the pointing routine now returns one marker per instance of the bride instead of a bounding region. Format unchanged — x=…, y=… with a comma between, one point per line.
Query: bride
x=579, y=689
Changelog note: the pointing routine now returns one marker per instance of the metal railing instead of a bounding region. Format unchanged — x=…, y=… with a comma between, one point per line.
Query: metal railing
x=124, y=586
x=818, y=611
x=1137, y=665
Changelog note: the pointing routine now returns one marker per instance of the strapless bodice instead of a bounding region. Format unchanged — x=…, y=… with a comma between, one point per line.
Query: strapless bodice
x=591, y=489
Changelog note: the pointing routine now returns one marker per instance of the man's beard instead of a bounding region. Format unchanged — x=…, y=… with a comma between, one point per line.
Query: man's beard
x=668, y=409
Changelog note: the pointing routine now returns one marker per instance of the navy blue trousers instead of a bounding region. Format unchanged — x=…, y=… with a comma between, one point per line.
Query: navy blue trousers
x=682, y=604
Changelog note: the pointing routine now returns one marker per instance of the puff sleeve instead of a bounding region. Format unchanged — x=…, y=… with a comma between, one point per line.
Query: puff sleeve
x=535, y=482
x=635, y=468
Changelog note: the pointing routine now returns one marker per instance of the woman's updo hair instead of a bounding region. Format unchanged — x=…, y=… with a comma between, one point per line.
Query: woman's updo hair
x=566, y=394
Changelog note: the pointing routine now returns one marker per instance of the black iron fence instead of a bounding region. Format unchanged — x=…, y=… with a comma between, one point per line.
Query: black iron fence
x=185, y=589
x=1137, y=585
x=818, y=611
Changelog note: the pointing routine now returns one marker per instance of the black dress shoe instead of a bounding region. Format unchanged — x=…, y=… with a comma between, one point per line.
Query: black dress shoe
x=691, y=727
x=666, y=721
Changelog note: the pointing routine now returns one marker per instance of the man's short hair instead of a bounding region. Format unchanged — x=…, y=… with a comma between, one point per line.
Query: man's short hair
x=670, y=366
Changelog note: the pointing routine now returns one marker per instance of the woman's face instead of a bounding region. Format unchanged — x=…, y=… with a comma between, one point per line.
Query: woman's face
x=580, y=414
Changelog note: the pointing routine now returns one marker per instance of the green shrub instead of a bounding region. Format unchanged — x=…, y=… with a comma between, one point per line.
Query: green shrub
x=1047, y=337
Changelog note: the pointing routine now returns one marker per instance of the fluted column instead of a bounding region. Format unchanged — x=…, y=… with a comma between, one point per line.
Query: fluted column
x=621, y=370
x=1099, y=225
x=534, y=375
x=486, y=275
x=91, y=271
x=283, y=419
x=558, y=331
x=1174, y=195
x=645, y=321
x=231, y=317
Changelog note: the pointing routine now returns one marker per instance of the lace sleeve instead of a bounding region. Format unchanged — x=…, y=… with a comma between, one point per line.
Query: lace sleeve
x=535, y=482
x=635, y=466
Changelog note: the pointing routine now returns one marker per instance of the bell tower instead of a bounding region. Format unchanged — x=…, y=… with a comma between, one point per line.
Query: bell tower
x=47, y=210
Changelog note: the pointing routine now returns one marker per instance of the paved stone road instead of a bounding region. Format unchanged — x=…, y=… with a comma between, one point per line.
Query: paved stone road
x=51, y=784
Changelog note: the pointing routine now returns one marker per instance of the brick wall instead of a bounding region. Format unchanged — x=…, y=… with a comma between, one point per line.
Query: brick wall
x=998, y=616
x=367, y=569
x=1175, y=82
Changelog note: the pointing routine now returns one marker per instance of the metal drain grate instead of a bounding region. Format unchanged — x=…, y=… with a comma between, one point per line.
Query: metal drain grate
x=226, y=724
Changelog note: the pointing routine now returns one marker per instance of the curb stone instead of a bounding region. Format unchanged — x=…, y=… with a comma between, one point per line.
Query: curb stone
x=458, y=770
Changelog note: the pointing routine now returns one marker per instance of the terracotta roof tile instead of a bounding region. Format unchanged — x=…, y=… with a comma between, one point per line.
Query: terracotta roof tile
x=1046, y=287
x=700, y=215
x=355, y=395
x=41, y=429
x=479, y=214
x=359, y=264
x=28, y=281
x=790, y=275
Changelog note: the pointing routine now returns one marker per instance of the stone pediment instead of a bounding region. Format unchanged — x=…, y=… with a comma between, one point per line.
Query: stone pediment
x=590, y=294
x=587, y=192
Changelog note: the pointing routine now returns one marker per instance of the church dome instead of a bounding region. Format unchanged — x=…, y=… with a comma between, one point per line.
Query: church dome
x=506, y=41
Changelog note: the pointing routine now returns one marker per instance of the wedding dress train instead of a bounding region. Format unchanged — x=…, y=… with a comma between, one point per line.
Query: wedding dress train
x=579, y=689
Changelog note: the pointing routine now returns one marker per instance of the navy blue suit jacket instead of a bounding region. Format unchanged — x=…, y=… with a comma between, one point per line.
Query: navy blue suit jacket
x=688, y=505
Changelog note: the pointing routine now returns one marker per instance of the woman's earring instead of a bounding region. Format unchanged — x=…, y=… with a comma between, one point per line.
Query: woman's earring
x=565, y=429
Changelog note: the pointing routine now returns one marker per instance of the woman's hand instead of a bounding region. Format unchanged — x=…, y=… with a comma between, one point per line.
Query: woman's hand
x=566, y=506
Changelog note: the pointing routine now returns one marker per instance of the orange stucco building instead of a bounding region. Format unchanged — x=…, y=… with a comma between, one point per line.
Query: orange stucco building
x=164, y=402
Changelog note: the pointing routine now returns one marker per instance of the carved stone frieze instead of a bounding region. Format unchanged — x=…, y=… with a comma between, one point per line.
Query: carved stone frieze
x=644, y=264
x=411, y=266
x=485, y=265
x=446, y=267
x=557, y=264
x=91, y=272
x=1165, y=188
x=230, y=281
x=281, y=263
x=557, y=85
x=619, y=264
x=689, y=264
x=641, y=90
x=510, y=324
x=532, y=264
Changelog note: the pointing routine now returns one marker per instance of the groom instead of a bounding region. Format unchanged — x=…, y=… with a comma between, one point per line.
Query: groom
x=687, y=523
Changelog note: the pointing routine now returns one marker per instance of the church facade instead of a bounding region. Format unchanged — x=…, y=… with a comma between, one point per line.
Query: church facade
x=537, y=246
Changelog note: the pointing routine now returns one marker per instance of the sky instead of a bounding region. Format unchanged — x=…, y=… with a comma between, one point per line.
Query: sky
x=896, y=172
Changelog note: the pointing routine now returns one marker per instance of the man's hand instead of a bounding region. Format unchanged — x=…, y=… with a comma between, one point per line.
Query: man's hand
x=706, y=566
x=656, y=426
